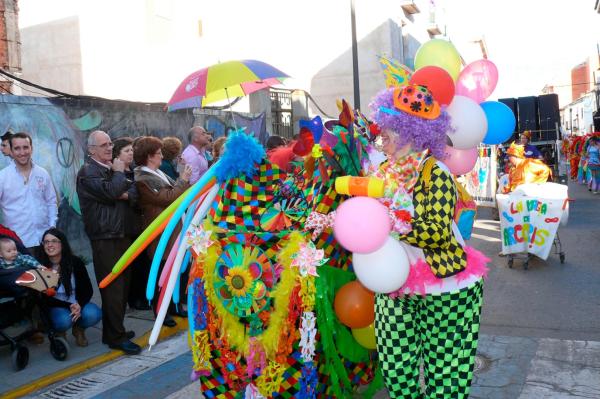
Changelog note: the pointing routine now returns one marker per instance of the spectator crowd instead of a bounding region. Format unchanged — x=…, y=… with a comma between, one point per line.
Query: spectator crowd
x=122, y=186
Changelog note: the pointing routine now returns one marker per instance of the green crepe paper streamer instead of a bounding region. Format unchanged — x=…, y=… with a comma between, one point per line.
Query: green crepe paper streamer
x=336, y=339
x=333, y=366
x=345, y=342
x=375, y=385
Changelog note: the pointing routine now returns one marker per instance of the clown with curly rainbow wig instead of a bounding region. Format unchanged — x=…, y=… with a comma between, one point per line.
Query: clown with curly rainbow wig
x=434, y=316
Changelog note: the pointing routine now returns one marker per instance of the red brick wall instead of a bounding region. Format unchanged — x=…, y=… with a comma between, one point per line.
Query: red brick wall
x=7, y=7
x=580, y=80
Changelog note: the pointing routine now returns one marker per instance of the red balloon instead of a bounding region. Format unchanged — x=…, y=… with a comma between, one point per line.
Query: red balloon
x=437, y=80
x=355, y=305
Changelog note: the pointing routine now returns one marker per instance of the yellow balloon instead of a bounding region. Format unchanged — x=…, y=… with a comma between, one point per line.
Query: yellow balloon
x=365, y=336
x=441, y=53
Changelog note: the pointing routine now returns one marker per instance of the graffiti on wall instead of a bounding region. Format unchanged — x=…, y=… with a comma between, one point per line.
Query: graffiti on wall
x=60, y=128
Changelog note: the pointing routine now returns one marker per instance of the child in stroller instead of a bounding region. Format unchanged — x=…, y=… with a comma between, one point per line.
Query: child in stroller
x=17, y=302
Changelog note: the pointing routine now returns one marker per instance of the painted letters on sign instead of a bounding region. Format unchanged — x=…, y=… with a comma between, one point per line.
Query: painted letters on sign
x=528, y=224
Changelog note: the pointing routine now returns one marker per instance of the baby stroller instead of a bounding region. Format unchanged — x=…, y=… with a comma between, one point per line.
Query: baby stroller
x=17, y=303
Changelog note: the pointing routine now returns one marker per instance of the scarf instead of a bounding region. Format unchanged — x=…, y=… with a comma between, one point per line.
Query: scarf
x=401, y=173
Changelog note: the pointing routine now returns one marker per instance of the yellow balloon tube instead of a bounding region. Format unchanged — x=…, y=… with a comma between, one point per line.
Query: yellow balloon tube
x=360, y=186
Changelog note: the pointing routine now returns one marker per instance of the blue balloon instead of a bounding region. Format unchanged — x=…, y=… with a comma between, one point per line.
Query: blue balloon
x=501, y=122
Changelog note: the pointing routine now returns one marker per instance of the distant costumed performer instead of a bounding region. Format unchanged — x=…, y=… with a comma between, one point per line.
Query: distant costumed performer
x=524, y=170
x=434, y=316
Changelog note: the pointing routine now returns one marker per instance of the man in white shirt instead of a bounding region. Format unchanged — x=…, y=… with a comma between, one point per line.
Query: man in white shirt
x=27, y=195
x=195, y=153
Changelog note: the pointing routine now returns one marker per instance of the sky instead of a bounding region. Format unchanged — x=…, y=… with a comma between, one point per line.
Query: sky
x=532, y=42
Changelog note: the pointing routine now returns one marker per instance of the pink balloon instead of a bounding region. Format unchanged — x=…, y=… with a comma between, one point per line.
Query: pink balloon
x=361, y=225
x=460, y=161
x=478, y=80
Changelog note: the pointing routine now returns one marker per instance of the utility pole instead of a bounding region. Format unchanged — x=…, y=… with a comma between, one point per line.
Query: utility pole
x=354, y=58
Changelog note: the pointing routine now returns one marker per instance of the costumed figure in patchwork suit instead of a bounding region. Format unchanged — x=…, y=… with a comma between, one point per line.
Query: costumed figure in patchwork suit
x=434, y=316
x=524, y=170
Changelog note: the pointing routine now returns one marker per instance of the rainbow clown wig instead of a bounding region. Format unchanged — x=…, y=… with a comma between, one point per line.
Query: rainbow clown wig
x=411, y=113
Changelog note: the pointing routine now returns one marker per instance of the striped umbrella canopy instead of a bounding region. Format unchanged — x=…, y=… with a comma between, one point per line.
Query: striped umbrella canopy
x=223, y=81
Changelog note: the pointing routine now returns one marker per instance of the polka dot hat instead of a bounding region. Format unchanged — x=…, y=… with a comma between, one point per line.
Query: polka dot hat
x=416, y=100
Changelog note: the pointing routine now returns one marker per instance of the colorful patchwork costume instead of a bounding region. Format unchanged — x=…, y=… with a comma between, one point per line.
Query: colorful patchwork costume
x=261, y=292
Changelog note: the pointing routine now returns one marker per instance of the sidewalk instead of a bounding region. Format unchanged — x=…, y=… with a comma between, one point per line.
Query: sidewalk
x=506, y=368
x=43, y=370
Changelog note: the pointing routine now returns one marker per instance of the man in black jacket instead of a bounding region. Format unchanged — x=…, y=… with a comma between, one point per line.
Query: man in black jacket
x=102, y=190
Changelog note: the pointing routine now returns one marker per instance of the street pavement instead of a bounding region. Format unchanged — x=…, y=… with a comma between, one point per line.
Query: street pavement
x=540, y=332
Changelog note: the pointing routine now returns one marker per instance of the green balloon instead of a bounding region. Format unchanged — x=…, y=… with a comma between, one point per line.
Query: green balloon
x=440, y=53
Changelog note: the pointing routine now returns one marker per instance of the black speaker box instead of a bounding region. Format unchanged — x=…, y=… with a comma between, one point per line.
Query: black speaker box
x=529, y=116
x=549, y=115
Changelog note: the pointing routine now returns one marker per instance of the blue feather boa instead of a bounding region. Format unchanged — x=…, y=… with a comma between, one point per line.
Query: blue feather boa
x=242, y=155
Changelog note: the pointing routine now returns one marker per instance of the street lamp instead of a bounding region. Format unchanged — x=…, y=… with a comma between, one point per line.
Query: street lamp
x=354, y=58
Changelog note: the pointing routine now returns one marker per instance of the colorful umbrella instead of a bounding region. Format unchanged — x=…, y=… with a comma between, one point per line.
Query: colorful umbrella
x=223, y=81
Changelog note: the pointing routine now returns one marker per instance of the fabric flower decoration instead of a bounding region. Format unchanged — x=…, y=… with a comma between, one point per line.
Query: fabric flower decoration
x=318, y=222
x=244, y=276
x=308, y=258
x=252, y=392
x=198, y=239
x=308, y=333
x=400, y=220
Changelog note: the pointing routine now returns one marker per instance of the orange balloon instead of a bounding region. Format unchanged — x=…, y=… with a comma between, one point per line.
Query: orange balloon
x=355, y=305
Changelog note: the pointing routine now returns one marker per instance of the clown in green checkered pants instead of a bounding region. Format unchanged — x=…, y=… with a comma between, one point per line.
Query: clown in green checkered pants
x=433, y=319
x=439, y=330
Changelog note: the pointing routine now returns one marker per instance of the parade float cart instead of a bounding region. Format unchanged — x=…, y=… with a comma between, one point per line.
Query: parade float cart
x=530, y=218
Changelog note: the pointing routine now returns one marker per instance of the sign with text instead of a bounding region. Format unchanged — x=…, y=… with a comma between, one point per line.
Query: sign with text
x=481, y=181
x=529, y=224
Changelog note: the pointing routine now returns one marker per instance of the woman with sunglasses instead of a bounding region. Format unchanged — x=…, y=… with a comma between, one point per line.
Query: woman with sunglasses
x=71, y=306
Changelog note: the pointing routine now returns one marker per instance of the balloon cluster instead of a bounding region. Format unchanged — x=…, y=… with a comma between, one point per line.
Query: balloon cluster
x=362, y=226
x=474, y=120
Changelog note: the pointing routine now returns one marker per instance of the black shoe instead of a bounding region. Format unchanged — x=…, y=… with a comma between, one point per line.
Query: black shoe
x=128, y=334
x=128, y=347
x=169, y=322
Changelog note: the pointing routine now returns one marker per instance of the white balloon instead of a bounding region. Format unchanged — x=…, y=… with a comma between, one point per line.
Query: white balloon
x=384, y=270
x=468, y=122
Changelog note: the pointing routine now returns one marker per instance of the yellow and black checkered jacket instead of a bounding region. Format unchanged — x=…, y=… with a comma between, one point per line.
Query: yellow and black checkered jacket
x=432, y=224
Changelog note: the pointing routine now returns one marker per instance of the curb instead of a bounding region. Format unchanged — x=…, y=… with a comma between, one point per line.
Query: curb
x=182, y=325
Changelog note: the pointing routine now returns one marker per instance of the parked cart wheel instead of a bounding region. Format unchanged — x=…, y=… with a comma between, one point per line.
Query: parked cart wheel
x=526, y=265
x=20, y=357
x=510, y=263
x=562, y=257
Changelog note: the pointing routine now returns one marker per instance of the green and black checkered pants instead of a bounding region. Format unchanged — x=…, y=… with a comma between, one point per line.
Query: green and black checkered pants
x=440, y=329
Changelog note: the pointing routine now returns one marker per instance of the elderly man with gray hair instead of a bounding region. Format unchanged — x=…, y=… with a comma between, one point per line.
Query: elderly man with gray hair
x=194, y=154
x=102, y=188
